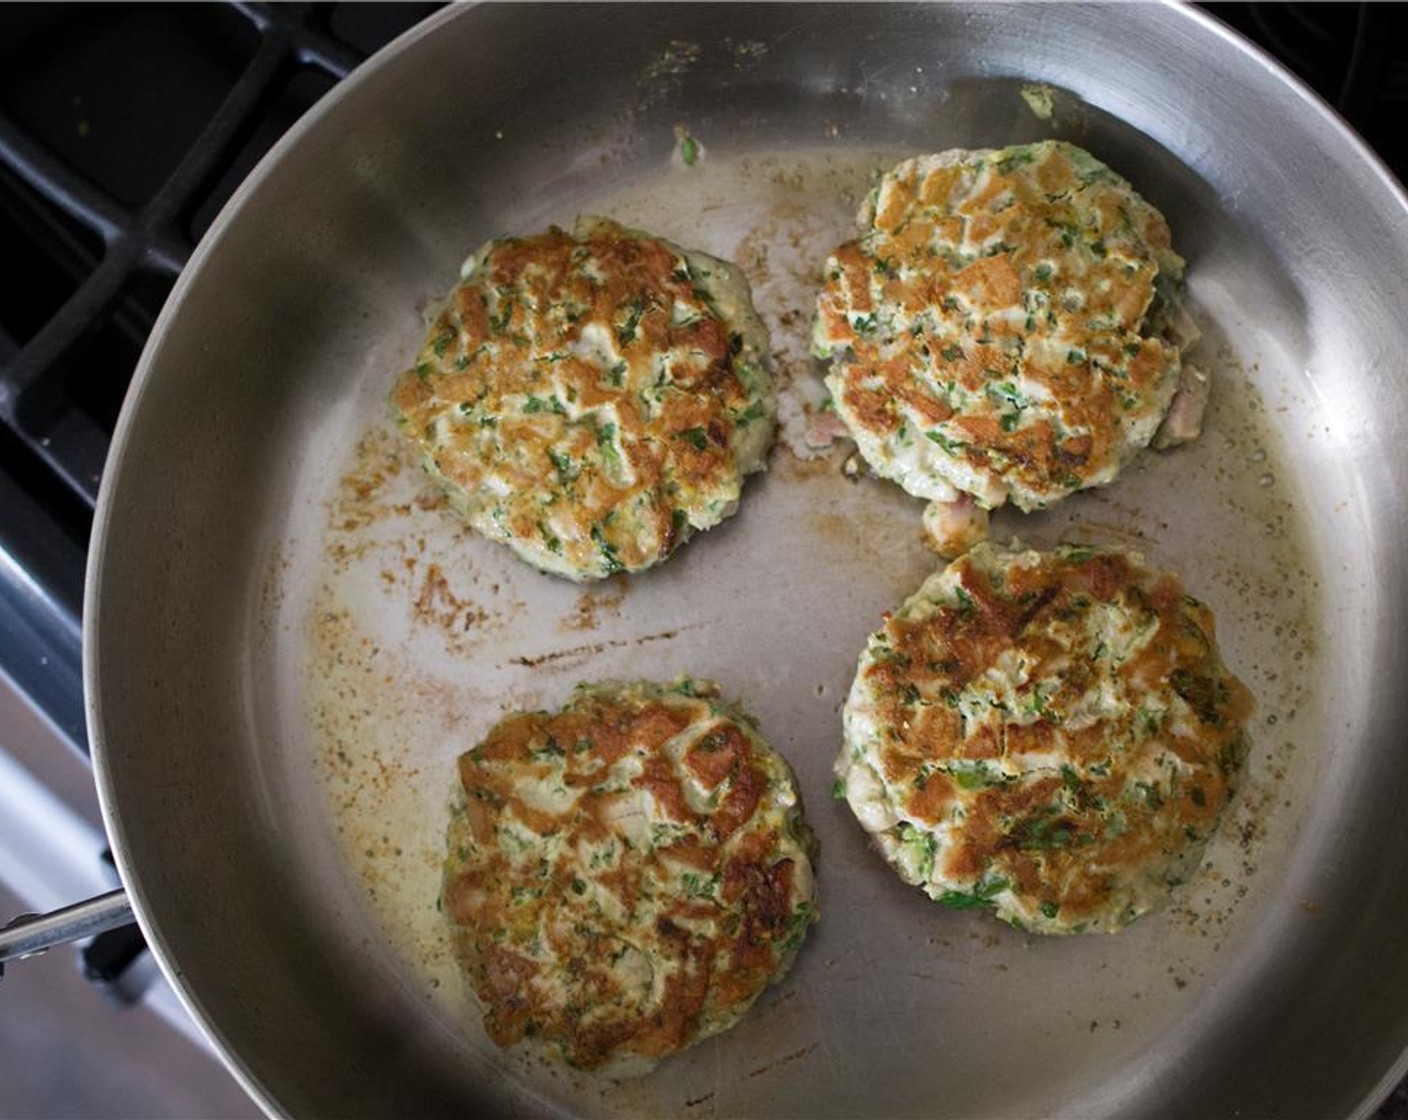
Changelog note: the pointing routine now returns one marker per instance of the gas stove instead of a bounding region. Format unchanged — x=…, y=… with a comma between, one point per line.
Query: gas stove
x=103, y=196
x=124, y=129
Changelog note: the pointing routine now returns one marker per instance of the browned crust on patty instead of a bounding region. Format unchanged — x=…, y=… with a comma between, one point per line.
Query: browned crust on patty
x=586, y=399
x=1113, y=759
x=588, y=936
x=997, y=306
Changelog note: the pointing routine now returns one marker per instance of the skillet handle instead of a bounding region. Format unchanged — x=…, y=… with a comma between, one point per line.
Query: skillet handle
x=30, y=933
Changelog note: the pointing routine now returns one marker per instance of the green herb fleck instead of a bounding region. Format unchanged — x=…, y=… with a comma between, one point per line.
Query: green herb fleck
x=442, y=342
x=952, y=446
x=608, y=551
x=550, y=539
x=1200, y=693
x=689, y=150
x=983, y=896
x=1014, y=159
x=975, y=778
x=922, y=847
x=1231, y=756
x=566, y=469
x=753, y=412
x=606, y=441
x=697, y=437
x=627, y=332
x=498, y=322
x=797, y=926
x=1009, y=393
x=1044, y=829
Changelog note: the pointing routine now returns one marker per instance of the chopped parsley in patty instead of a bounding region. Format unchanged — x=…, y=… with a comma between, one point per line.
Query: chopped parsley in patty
x=592, y=399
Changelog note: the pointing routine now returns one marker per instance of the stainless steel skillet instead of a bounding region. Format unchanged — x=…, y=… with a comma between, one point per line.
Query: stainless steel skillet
x=225, y=584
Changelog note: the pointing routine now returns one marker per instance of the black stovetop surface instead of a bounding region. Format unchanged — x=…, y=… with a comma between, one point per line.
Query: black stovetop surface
x=123, y=130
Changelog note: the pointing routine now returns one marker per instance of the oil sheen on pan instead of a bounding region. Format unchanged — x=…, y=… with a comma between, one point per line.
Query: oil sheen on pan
x=419, y=636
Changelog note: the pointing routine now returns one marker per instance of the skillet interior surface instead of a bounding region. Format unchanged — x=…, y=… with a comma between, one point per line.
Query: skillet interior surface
x=288, y=642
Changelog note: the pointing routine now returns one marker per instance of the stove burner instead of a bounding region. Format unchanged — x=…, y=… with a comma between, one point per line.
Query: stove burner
x=102, y=200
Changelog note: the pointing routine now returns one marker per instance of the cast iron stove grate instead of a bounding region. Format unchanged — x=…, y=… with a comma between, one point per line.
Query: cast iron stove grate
x=123, y=130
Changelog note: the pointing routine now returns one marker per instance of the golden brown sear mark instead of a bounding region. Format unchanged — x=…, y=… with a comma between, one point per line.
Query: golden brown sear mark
x=625, y=876
x=996, y=329
x=591, y=399
x=1050, y=735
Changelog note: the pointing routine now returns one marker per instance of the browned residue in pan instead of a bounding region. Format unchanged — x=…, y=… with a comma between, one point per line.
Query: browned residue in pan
x=787, y=464
x=385, y=512
x=431, y=682
x=532, y=662
x=438, y=605
x=786, y=1059
x=607, y=600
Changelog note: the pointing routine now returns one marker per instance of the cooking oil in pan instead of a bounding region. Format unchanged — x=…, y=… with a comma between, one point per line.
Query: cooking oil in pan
x=419, y=636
